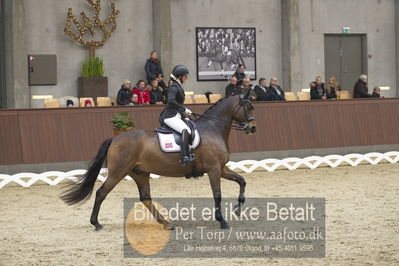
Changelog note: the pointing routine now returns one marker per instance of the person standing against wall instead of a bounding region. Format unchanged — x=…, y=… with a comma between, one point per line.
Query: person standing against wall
x=240, y=75
x=153, y=69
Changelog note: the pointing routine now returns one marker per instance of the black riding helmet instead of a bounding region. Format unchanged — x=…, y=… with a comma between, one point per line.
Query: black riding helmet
x=180, y=70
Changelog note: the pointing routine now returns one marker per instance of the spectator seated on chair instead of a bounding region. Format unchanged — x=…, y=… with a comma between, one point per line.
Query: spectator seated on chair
x=361, y=90
x=333, y=90
x=247, y=87
x=125, y=93
x=161, y=83
x=156, y=93
x=274, y=91
x=232, y=89
x=165, y=91
x=134, y=100
x=88, y=103
x=170, y=82
x=376, y=93
x=317, y=90
x=142, y=92
x=261, y=90
x=70, y=104
x=63, y=101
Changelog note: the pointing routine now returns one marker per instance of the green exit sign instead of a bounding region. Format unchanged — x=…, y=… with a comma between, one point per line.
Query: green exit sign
x=346, y=30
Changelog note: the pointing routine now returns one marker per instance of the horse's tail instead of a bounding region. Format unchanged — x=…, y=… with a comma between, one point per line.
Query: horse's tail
x=80, y=192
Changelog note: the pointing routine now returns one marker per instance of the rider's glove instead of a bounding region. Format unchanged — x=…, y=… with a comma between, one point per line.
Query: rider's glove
x=187, y=111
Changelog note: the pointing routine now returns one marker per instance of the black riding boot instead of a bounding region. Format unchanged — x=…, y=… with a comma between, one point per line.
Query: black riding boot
x=185, y=157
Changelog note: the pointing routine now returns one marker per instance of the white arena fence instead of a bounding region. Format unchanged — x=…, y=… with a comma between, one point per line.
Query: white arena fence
x=247, y=166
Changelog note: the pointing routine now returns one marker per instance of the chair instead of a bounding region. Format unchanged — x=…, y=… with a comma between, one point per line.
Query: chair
x=49, y=100
x=303, y=96
x=103, y=101
x=200, y=98
x=51, y=103
x=82, y=101
x=63, y=101
x=188, y=100
x=214, y=97
x=290, y=96
x=345, y=95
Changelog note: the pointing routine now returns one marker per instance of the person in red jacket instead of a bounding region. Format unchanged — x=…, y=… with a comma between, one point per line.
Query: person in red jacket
x=142, y=92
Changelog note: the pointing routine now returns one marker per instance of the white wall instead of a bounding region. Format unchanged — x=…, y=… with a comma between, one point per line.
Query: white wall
x=128, y=48
x=376, y=18
x=124, y=54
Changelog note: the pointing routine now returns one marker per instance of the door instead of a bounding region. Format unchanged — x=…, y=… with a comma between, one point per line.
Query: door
x=345, y=58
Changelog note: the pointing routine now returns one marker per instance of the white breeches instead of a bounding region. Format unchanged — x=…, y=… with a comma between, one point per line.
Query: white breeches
x=177, y=123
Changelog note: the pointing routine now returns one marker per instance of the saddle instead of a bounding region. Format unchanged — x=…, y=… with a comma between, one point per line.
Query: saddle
x=170, y=140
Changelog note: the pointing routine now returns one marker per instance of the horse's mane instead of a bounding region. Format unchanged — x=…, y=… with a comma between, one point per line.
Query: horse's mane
x=215, y=104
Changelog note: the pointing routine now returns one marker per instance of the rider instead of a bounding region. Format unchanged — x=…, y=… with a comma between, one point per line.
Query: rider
x=171, y=115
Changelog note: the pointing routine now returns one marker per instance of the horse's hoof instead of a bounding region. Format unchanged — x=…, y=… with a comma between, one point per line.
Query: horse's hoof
x=224, y=226
x=99, y=227
x=168, y=226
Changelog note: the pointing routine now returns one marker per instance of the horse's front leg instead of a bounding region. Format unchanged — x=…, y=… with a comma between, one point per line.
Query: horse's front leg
x=214, y=179
x=233, y=176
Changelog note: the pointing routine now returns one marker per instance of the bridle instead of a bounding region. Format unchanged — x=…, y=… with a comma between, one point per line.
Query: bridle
x=243, y=125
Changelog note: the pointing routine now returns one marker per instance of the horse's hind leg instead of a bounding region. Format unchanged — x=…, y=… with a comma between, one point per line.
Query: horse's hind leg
x=233, y=176
x=143, y=184
x=114, y=178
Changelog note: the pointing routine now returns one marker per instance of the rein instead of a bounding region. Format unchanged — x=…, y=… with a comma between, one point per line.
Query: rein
x=234, y=125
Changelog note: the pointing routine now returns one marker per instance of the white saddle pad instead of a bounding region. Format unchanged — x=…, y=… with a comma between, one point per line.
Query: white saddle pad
x=168, y=144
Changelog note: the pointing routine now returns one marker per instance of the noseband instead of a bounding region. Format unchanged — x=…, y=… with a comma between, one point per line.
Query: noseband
x=245, y=123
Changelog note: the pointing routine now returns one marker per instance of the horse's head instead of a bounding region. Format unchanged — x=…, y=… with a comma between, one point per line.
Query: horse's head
x=243, y=115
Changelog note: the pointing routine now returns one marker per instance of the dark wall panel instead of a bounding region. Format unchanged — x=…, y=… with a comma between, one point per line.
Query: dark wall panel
x=10, y=140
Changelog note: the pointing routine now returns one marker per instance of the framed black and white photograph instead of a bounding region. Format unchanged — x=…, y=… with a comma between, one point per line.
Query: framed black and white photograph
x=221, y=50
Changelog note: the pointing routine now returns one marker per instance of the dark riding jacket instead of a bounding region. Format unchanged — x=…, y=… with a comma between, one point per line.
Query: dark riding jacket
x=175, y=101
x=152, y=69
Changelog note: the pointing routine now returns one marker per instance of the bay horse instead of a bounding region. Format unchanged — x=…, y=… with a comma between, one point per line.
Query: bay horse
x=137, y=153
